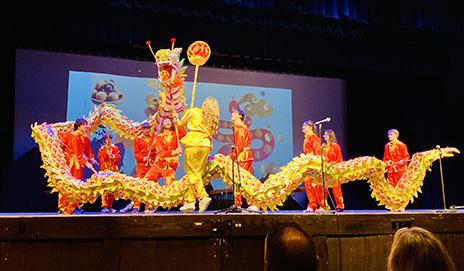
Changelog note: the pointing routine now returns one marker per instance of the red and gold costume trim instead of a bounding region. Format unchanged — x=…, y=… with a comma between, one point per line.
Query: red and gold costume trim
x=396, y=157
x=333, y=154
x=312, y=145
x=166, y=161
x=242, y=153
x=108, y=157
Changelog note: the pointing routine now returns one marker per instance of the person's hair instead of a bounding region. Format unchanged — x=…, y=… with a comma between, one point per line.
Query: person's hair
x=145, y=124
x=332, y=137
x=309, y=123
x=211, y=112
x=79, y=122
x=393, y=131
x=241, y=113
x=418, y=249
x=288, y=247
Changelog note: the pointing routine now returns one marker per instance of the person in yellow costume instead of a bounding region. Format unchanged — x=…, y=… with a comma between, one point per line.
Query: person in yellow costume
x=202, y=124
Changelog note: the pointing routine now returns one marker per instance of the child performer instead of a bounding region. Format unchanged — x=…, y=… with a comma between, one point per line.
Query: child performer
x=333, y=154
x=312, y=145
x=396, y=157
x=241, y=150
x=109, y=157
x=144, y=155
x=167, y=152
x=76, y=146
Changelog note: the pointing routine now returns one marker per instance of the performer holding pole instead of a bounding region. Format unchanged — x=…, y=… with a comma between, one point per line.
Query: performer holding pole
x=167, y=148
x=312, y=145
x=396, y=157
x=144, y=155
x=109, y=156
x=202, y=123
x=241, y=151
x=175, y=123
x=76, y=146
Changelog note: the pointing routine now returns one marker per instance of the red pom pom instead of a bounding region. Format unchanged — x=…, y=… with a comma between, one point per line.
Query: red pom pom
x=173, y=39
x=148, y=42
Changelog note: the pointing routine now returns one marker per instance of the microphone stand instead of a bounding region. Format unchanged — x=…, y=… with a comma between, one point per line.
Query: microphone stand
x=454, y=207
x=234, y=208
x=441, y=178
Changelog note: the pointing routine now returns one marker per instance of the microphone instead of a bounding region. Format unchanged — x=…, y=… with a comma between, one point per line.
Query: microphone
x=440, y=152
x=322, y=121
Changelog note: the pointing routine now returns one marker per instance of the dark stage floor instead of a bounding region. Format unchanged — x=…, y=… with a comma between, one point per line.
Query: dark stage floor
x=350, y=240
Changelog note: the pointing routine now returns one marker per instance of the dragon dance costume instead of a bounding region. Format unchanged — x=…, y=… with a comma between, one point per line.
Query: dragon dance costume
x=109, y=157
x=333, y=154
x=242, y=153
x=265, y=195
x=57, y=159
x=395, y=157
x=166, y=161
x=77, y=152
x=312, y=145
x=197, y=144
x=142, y=151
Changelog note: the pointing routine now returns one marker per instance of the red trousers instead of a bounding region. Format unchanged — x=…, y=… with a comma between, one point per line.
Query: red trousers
x=163, y=169
x=394, y=177
x=238, y=197
x=315, y=195
x=338, y=195
x=107, y=201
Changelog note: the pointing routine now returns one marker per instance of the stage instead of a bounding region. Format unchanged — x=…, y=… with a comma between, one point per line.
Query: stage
x=349, y=240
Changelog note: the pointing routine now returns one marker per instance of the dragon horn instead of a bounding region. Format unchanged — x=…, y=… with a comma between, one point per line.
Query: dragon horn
x=148, y=43
x=173, y=40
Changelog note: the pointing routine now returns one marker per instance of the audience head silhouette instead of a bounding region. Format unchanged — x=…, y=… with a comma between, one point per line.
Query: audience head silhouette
x=288, y=247
x=416, y=249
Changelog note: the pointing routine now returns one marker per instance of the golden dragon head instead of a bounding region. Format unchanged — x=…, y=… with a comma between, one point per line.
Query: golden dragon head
x=170, y=69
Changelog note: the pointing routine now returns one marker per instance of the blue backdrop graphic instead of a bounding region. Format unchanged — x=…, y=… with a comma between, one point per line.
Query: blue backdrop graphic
x=269, y=109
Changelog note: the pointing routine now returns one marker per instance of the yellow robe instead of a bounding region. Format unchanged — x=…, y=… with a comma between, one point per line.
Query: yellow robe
x=197, y=144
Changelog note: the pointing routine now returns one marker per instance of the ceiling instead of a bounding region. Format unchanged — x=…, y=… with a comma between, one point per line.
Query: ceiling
x=323, y=37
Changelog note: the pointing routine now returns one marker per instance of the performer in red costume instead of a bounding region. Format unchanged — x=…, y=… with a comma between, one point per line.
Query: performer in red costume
x=312, y=145
x=78, y=154
x=144, y=156
x=167, y=149
x=109, y=157
x=241, y=150
x=333, y=154
x=396, y=157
